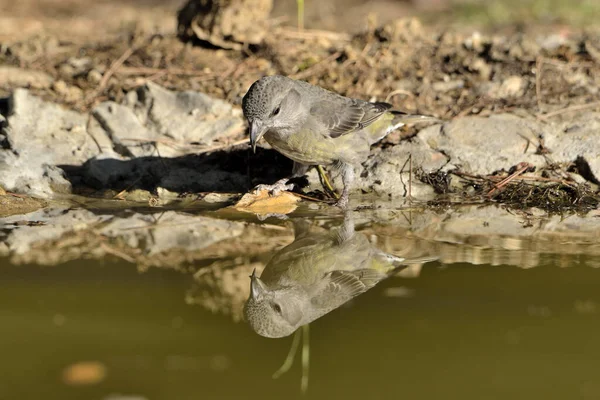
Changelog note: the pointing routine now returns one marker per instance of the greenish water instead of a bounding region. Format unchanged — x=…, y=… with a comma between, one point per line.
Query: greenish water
x=457, y=331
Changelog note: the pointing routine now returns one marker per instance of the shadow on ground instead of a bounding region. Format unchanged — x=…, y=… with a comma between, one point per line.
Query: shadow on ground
x=233, y=171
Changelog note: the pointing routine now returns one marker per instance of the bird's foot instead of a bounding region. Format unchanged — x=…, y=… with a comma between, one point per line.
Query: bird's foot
x=275, y=189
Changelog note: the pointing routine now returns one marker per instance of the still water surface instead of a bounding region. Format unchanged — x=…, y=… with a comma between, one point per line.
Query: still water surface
x=109, y=329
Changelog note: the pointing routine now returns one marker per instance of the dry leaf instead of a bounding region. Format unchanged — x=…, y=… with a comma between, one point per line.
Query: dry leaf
x=262, y=203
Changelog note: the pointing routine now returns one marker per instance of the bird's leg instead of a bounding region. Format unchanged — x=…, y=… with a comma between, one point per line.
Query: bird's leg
x=347, y=228
x=289, y=360
x=325, y=181
x=347, y=179
x=282, y=185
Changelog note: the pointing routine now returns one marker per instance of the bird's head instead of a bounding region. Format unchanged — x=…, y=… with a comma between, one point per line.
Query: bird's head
x=272, y=102
x=271, y=313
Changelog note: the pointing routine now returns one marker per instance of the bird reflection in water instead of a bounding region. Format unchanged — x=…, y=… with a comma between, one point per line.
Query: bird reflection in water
x=314, y=275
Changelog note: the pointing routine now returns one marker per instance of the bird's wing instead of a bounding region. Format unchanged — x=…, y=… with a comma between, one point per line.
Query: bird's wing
x=341, y=116
x=351, y=283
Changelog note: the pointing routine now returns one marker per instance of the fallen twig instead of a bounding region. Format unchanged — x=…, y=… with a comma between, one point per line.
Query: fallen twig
x=521, y=168
x=315, y=67
x=152, y=71
x=109, y=73
x=494, y=178
x=396, y=92
x=578, y=107
x=21, y=196
x=305, y=34
x=222, y=146
x=175, y=145
x=303, y=196
x=538, y=81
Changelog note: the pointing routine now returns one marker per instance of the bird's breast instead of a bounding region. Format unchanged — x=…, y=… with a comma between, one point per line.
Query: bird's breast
x=305, y=147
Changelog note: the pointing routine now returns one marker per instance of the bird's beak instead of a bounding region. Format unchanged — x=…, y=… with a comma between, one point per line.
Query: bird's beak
x=257, y=287
x=257, y=130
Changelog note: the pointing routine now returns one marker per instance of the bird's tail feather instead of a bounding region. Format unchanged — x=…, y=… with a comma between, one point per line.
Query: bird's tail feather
x=398, y=263
x=402, y=118
x=419, y=260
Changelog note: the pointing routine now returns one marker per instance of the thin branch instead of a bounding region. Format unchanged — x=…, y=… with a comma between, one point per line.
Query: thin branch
x=579, y=107
x=316, y=67
x=305, y=34
x=109, y=73
x=396, y=92
x=303, y=196
x=222, y=147
x=522, y=168
x=152, y=71
x=538, y=81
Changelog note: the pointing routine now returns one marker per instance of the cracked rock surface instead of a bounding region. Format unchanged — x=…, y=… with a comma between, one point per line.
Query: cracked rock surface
x=47, y=149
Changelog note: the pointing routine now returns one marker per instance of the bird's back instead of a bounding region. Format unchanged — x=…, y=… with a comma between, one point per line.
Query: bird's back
x=340, y=116
x=309, y=259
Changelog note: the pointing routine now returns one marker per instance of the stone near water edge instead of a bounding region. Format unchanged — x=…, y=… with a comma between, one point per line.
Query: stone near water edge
x=485, y=145
x=147, y=141
x=576, y=140
x=128, y=136
x=154, y=123
x=190, y=117
x=387, y=172
x=40, y=136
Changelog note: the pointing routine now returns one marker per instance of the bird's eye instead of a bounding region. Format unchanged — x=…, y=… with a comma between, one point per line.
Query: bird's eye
x=277, y=308
x=276, y=111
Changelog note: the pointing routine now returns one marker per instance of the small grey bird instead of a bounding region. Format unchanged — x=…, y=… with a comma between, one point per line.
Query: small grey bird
x=313, y=126
x=314, y=275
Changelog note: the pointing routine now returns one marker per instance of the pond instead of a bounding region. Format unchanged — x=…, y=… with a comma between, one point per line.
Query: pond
x=148, y=303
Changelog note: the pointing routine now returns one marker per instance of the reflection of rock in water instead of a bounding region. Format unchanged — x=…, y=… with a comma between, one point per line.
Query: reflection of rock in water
x=495, y=236
x=55, y=235
x=312, y=276
x=476, y=235
x=223, y=287
x=220, y=253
